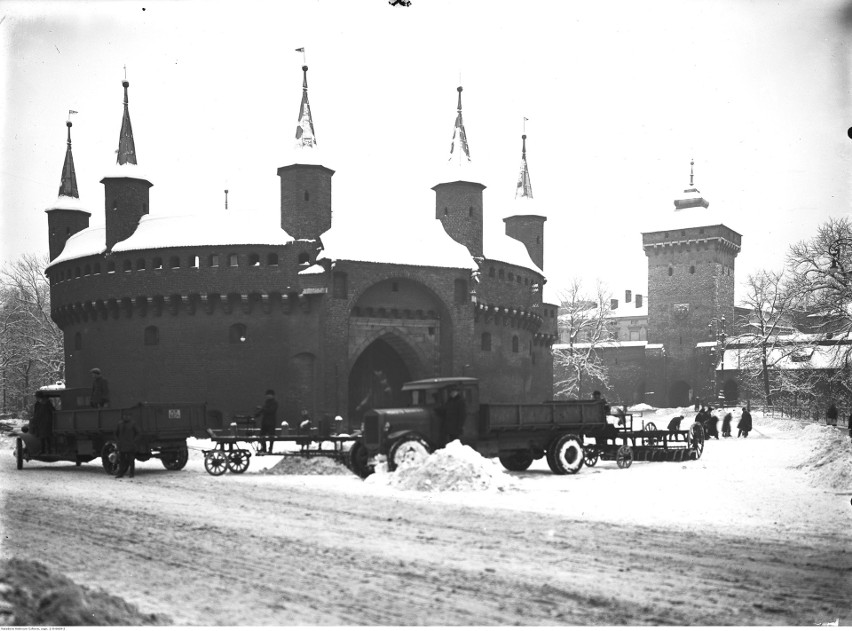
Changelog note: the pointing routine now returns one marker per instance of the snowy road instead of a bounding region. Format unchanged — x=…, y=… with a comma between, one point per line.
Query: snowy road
x=708, y=542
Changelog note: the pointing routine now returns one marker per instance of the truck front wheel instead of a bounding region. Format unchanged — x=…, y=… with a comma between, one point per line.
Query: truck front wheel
x=109, y=458
x=357, y=460
x=516, y=460
x=408, y=451
x=565, y=454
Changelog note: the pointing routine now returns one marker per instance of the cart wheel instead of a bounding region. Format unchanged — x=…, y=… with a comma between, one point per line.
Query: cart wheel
x=566, y=454
x=696, y=440
x=215, y=462
x=109, y=458
x=408, y=451
x=624, y=457
x=590, y=455
x=357, y=459
x=238, y=461
x=650, y=441
x=175, y=460
x=19, y=452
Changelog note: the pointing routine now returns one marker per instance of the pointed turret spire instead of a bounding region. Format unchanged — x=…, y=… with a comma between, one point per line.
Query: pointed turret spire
x=692, y=196
x=126, y=146
x=459, y=150
x=524, y=188
x=68, y=186
x=305, y=136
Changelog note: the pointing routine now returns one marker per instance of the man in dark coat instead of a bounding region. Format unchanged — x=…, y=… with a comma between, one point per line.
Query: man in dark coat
x=745, y=424
x=726, y=425
x=267, y=414
x=125, y=437
x=42, y=423
x=711, y=424
x=455, y=412
x=100, y=390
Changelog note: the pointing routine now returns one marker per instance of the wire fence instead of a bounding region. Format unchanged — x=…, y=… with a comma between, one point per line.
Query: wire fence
x=805, y=413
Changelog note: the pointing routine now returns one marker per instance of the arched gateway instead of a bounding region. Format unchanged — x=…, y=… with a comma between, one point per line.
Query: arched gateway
x=399, y=330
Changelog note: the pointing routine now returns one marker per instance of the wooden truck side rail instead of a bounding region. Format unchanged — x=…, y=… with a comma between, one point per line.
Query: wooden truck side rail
x=507, y=417
x=163, y=421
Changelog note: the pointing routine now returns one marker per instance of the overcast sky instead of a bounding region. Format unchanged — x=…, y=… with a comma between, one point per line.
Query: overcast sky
x=619, y=96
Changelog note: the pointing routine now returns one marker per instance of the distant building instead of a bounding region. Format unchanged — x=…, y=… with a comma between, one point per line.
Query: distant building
x=211, y=307
x=658, y=352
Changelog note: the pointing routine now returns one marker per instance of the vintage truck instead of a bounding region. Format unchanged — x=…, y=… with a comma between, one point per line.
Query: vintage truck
x=81, y=433
x=517, y=434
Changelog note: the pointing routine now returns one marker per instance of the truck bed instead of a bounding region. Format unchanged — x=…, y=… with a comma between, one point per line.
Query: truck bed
x=161, y=420
x=568, y=415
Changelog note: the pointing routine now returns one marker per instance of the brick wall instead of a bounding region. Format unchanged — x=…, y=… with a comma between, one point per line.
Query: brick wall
x=529, y=230
x=458, y=205
x=305, y=200
x=126, y=201
x=62, y=224
x=690, y=286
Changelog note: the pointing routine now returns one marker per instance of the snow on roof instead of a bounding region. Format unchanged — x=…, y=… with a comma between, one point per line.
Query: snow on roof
x=458, y=169
x=214, y=228
x=127, y=170
x=550, y=295
x=300, y=154
x=499, y=246
x=313, y=269
x=630, y=310
x=87, y=242
x=63, y=202
x=818, y=357
x=420, y=240
x=705, y=344
x=609, y=344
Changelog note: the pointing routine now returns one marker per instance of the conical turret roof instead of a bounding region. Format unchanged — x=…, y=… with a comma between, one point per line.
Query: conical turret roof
x=68, y=186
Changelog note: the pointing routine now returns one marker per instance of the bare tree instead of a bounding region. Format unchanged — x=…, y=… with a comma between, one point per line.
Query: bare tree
x=820, y=281
x=762, y=342
x=32, y=345
x=583, y=321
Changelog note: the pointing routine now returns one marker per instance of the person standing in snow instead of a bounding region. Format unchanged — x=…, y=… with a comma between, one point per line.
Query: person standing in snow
x=726, y=425
x=831, y=415
x=267, y=413
x=125, y=437
x=711, y=424
x=745, y=424
x=100, y=390
x=455, y=411
x=42, y=423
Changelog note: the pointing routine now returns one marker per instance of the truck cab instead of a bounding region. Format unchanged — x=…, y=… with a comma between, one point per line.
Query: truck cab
x=420, y=426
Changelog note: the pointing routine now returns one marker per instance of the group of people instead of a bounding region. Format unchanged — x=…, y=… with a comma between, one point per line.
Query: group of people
x=710, y=423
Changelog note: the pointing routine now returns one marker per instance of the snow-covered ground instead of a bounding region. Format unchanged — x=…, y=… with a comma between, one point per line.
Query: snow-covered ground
x=768, y=514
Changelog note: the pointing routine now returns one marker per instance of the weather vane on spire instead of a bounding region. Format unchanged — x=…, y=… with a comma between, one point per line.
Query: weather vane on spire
x=304, y=58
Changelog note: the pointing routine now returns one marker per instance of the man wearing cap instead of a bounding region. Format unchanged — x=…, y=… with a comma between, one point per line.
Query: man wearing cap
x=100, y=390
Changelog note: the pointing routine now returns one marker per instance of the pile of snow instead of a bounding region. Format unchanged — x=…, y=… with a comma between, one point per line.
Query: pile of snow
x=641, y=407
x=298, y=465
x=33, y=595
x=827, y=457
x=456, y=467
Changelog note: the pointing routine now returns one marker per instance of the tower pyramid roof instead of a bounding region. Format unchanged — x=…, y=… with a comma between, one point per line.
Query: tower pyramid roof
x=68, y=186
x=126, y=146
x=459, y=167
